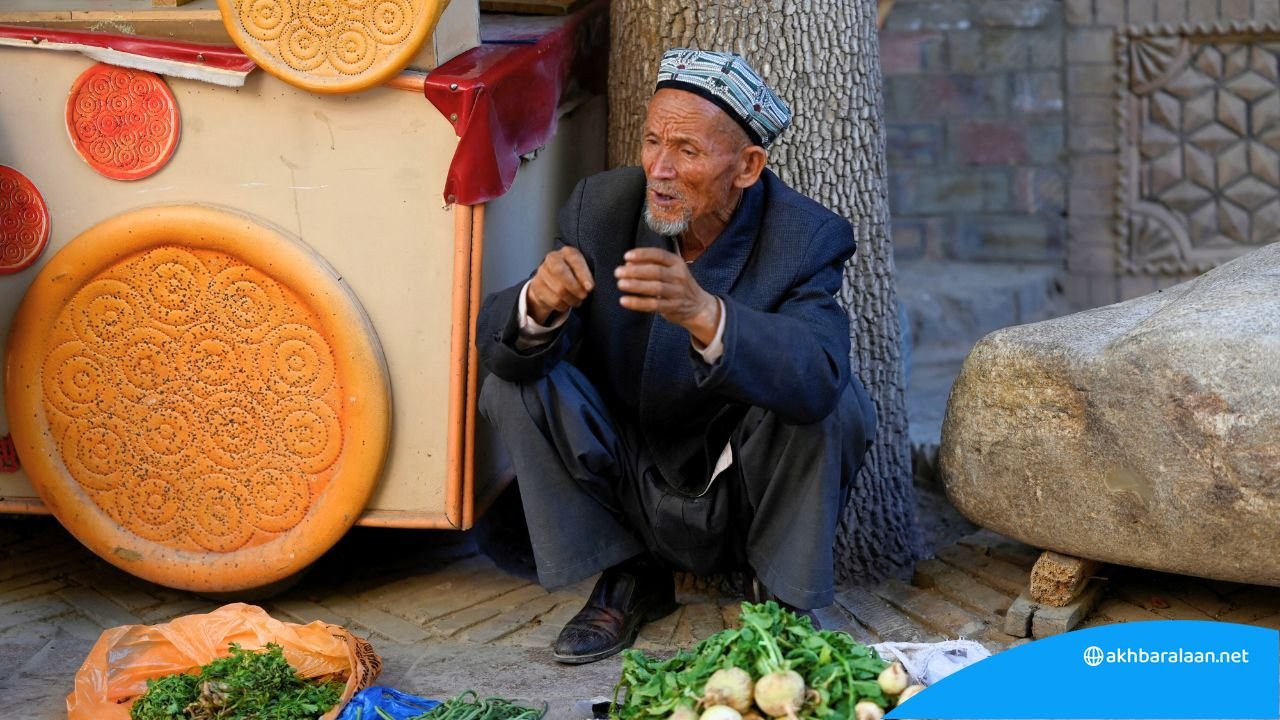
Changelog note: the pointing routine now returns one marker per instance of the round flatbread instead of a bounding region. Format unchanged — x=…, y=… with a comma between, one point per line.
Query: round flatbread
x=197, y=398
x=124, y=123
x=331, y=46
x=24, y=221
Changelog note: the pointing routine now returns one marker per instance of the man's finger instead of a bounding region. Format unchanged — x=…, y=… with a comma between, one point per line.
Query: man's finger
x=648, y=288
x=652, y=255
x=578, y=266
x=643, y=271
x=561, y=280
x=640, y=304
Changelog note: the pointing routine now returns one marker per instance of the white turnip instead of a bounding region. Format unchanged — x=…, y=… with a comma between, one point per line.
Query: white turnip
x=684, y=712
x=867, y=710
x=720, y=712
x=907, y=693
x=893, y=679
x=729, y=686
x=780, y=693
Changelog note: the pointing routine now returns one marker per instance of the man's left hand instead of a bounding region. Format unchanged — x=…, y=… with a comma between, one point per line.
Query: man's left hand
x=654, y=280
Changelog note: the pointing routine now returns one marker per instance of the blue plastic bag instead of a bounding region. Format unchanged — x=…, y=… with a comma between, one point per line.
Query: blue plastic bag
x=397, y=705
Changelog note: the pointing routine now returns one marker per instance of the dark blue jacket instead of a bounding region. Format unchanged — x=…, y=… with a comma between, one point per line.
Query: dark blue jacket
x=777, y=265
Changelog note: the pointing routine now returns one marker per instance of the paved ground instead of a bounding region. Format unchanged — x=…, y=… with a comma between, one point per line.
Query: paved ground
x=446, y=617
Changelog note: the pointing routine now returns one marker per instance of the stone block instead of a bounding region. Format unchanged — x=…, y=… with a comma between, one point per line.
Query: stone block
x=1048, y=620
x=913, y=144
x=1109, y=12
x=1142, y=11
x=1236, y=10
x=1092, y=109
x=1091, y=79
x=1008, y=238
x=1076, y=288
x=1202, y=10
x=988, y=142
x=1171, y=11
x=1040, y=191
x=1079, y=12
x=1090, y=230
x=1090, y=45
x=931, y=192
x=1091, y=201
x=1266, y=9
x=1093, y=171
x=1090, y=259
x=909, y=239
x=1045, y=142
x=1046, y=49
x=964, y=51
x=1019, y=14
x=1091, y=138
x=1005, y=50
x=929, y=97
x=911, y=53
x=1037, y=93
x=914, y=16
x=1132, y=286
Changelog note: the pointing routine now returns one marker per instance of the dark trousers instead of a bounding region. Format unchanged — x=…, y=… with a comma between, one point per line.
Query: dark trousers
x=593, y=496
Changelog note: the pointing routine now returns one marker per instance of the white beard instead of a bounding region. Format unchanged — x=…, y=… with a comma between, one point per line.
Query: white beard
x=669, y=228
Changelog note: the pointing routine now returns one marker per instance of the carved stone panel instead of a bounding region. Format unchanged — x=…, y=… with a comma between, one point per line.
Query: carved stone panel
x=1199, y=111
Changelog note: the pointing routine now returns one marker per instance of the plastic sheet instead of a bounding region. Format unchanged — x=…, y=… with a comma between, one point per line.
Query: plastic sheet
x=118, y=666
x=927, y=663
x=399, y=705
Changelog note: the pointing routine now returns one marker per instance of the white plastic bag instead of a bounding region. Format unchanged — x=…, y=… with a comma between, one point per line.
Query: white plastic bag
x=927, y=663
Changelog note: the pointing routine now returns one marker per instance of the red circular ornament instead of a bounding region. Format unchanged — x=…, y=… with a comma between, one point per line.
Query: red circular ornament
x=24, y=221
x=123, y=122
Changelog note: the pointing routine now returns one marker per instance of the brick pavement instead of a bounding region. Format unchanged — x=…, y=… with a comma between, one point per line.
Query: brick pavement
x=447, y=618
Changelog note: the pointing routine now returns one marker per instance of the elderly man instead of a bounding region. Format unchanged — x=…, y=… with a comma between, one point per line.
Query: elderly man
x=673, y=382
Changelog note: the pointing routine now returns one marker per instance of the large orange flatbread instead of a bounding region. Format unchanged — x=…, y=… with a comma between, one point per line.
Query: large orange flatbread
x=197, y=398
x=331, y=46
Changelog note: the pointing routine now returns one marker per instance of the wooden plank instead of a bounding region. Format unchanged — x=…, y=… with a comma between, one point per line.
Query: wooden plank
x=1159, y=601
x=930, y=610
x=1119, y=610
x=961, y=588
x=989, y=542
x=531, y=7
x=880, y=618
x=169, y=3
x=1058, y=579
x=1050, y=620
x=1250, y=603
x=998, y=574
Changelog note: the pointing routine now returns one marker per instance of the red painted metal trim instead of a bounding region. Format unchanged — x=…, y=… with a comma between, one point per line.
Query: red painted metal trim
x=502, y=98
x=227, y=58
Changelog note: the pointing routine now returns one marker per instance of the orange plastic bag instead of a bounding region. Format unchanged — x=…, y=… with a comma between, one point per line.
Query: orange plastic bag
x=118, y=666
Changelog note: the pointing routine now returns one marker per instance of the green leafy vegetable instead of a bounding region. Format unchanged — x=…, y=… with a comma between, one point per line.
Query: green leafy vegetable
x=470, y=706
x=838, y=671
x=240, y=686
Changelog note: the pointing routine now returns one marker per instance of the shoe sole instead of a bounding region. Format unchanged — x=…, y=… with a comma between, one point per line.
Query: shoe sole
x=625, y=641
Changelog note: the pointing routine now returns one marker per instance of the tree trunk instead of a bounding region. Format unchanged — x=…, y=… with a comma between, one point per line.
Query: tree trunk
x=822, y=56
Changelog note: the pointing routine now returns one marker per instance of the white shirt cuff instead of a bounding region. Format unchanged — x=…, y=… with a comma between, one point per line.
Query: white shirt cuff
x=532, y=333
x=714, y=349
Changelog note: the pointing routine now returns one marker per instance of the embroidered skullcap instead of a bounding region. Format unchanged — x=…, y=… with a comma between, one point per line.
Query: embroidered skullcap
x=728, y=81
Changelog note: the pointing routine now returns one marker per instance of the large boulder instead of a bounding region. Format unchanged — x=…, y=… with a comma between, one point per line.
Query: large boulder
x=1145, y=433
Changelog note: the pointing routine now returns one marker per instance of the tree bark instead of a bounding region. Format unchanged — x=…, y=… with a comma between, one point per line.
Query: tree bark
x=822, y=56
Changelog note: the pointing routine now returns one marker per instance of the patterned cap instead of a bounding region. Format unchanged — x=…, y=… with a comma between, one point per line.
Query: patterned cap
x=728, y=81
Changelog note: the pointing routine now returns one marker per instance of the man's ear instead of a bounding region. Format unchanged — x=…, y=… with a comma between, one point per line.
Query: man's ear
x=750, y=165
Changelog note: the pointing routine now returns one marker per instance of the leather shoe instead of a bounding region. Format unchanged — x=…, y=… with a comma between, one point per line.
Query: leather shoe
x=624, y=597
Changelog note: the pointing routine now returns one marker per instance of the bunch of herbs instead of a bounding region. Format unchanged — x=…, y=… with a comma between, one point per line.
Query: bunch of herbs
x=243, y=685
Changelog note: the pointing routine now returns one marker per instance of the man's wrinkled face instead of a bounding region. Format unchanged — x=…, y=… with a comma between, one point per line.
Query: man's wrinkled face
x=691, y=152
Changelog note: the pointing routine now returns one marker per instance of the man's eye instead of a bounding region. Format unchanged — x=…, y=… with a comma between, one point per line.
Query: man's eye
x=689, y=152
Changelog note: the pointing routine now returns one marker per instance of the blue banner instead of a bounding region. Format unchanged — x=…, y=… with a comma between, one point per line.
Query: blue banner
x=1164, y=669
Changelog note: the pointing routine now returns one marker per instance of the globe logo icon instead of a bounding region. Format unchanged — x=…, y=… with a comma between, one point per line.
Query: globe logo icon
x=1093, y=656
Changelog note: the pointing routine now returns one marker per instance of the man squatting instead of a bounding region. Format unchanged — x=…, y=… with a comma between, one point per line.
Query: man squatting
x=673, y=382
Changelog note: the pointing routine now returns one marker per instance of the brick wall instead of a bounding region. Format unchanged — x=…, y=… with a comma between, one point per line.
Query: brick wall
x=975, y=121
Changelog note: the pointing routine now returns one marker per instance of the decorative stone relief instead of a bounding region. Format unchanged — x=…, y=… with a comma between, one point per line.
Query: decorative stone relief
x=1199, y=112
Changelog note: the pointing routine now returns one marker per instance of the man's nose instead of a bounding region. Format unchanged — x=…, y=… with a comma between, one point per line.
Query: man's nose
x=662, y=168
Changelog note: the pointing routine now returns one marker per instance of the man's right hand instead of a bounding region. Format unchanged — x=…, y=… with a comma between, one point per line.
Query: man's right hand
x=562, y=282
